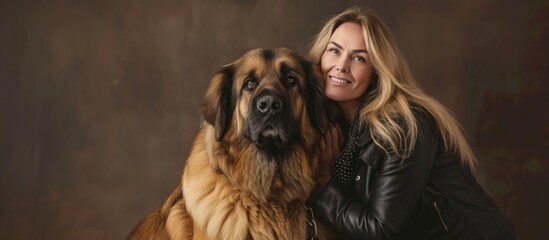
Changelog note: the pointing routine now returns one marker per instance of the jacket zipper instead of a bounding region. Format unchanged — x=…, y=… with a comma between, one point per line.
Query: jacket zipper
x=444, y=225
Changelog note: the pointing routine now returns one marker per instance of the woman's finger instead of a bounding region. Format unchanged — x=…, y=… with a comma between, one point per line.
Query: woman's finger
x=329, y=141
x=340, y=137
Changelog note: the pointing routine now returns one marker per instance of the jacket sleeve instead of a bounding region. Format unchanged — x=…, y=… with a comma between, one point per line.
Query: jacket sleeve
x=396, y=192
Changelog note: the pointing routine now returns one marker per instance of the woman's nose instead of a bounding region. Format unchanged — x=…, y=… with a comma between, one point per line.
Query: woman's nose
x=342, y=66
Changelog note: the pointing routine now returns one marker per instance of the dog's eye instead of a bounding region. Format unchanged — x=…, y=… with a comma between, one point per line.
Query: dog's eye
x=250, y=83
x=291, y=80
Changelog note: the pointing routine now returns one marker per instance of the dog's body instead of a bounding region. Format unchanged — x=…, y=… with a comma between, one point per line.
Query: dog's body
x=253, y=162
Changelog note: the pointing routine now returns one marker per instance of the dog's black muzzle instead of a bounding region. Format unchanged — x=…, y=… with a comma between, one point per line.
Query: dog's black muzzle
x=270, y=120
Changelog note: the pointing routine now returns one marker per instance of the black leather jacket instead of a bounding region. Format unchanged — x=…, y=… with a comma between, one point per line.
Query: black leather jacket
x=430, y=195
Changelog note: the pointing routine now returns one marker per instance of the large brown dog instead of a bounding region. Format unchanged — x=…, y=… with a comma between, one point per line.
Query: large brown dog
x=252, y=164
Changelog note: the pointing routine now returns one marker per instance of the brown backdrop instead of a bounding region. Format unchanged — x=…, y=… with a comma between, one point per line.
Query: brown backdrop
x=100, y=99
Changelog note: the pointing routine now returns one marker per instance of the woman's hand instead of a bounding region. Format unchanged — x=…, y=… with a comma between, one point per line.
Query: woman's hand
x=330, y=147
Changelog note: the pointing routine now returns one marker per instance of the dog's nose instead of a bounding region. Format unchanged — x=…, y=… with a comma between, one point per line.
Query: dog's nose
x=269, y=104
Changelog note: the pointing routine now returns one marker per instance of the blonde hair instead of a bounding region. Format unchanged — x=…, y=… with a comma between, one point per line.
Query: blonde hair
x=389, y=109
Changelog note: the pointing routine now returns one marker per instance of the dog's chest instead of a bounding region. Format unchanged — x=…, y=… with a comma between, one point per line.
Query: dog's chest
x=274, y=221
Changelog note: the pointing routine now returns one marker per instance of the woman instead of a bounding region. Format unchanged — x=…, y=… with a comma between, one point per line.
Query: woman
x=404, y=170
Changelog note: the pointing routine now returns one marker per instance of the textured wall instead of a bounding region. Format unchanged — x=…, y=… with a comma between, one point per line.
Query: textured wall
x=100, y=99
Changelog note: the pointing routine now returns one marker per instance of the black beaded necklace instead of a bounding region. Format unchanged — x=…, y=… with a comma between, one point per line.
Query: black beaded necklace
x=345, y=167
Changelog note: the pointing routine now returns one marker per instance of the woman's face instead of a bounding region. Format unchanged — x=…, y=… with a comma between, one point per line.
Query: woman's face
x=345, y=64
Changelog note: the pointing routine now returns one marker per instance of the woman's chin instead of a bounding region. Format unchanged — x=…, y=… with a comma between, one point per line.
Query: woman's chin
x=336, y=95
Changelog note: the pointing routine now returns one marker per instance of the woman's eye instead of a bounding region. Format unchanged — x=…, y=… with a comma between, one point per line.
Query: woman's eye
x=359, y=58
x=333, y=50
x=251, y=83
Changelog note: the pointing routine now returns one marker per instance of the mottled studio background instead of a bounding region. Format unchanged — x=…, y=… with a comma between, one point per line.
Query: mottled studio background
x=99, y=100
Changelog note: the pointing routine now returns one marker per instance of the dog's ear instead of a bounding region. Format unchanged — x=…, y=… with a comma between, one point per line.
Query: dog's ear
x=219, y=103
x=321, y=110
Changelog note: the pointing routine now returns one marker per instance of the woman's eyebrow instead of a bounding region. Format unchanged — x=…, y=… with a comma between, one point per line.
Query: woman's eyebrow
x=337, y=45
x=354, y=51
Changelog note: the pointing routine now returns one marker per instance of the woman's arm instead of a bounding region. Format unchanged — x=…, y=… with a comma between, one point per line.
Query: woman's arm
x=397, y=190
x=330, y=148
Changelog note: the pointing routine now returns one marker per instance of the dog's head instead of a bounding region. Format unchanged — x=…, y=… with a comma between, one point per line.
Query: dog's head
x=268, y=97
x=266, y=111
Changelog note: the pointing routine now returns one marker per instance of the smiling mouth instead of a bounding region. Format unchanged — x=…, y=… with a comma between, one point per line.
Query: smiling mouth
x=339, y=80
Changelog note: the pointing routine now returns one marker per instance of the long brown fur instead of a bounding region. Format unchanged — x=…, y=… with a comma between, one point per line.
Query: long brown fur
x=233, y=189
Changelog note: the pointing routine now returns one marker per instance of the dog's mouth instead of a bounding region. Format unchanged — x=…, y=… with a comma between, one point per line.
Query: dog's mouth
x=271, y=138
